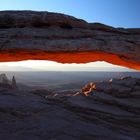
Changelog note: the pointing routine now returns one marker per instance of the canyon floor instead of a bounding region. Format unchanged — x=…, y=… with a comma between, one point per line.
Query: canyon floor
x=109, y=112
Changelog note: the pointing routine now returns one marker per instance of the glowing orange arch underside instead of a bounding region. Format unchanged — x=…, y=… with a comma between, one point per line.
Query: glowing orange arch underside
x=65, y=57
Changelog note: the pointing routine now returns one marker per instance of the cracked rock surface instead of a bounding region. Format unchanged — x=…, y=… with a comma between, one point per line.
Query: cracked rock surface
x=42, y=114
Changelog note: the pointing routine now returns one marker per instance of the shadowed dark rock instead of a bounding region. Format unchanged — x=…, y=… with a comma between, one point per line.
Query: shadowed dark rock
x=42, y=114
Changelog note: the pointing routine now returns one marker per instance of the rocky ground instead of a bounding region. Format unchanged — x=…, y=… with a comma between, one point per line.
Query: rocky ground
x=110, y=111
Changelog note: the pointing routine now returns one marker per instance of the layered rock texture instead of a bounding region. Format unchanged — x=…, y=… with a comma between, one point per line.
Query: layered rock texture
x=102, y=115
x=51, y=36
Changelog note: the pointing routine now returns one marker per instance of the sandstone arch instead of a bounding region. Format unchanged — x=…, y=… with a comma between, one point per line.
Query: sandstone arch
x=34, y=35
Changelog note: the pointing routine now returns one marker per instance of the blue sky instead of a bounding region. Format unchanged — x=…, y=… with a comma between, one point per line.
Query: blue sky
x=118, y=13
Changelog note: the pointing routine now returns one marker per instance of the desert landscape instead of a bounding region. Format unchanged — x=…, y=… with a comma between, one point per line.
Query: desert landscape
x=45, y=105
x=70, y=70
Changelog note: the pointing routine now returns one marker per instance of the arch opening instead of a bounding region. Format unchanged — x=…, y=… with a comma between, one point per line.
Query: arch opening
x=44, y=65
x=68, y=57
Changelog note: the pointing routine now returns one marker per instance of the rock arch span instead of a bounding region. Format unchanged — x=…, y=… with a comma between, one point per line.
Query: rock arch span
x=30, y=35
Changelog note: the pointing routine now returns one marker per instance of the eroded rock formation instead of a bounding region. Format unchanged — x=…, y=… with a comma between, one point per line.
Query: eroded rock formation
x=121, y=87
x=33, y=35
x=6, y=83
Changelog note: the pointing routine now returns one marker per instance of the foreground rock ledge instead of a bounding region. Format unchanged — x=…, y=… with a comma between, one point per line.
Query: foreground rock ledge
x=34, y=35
